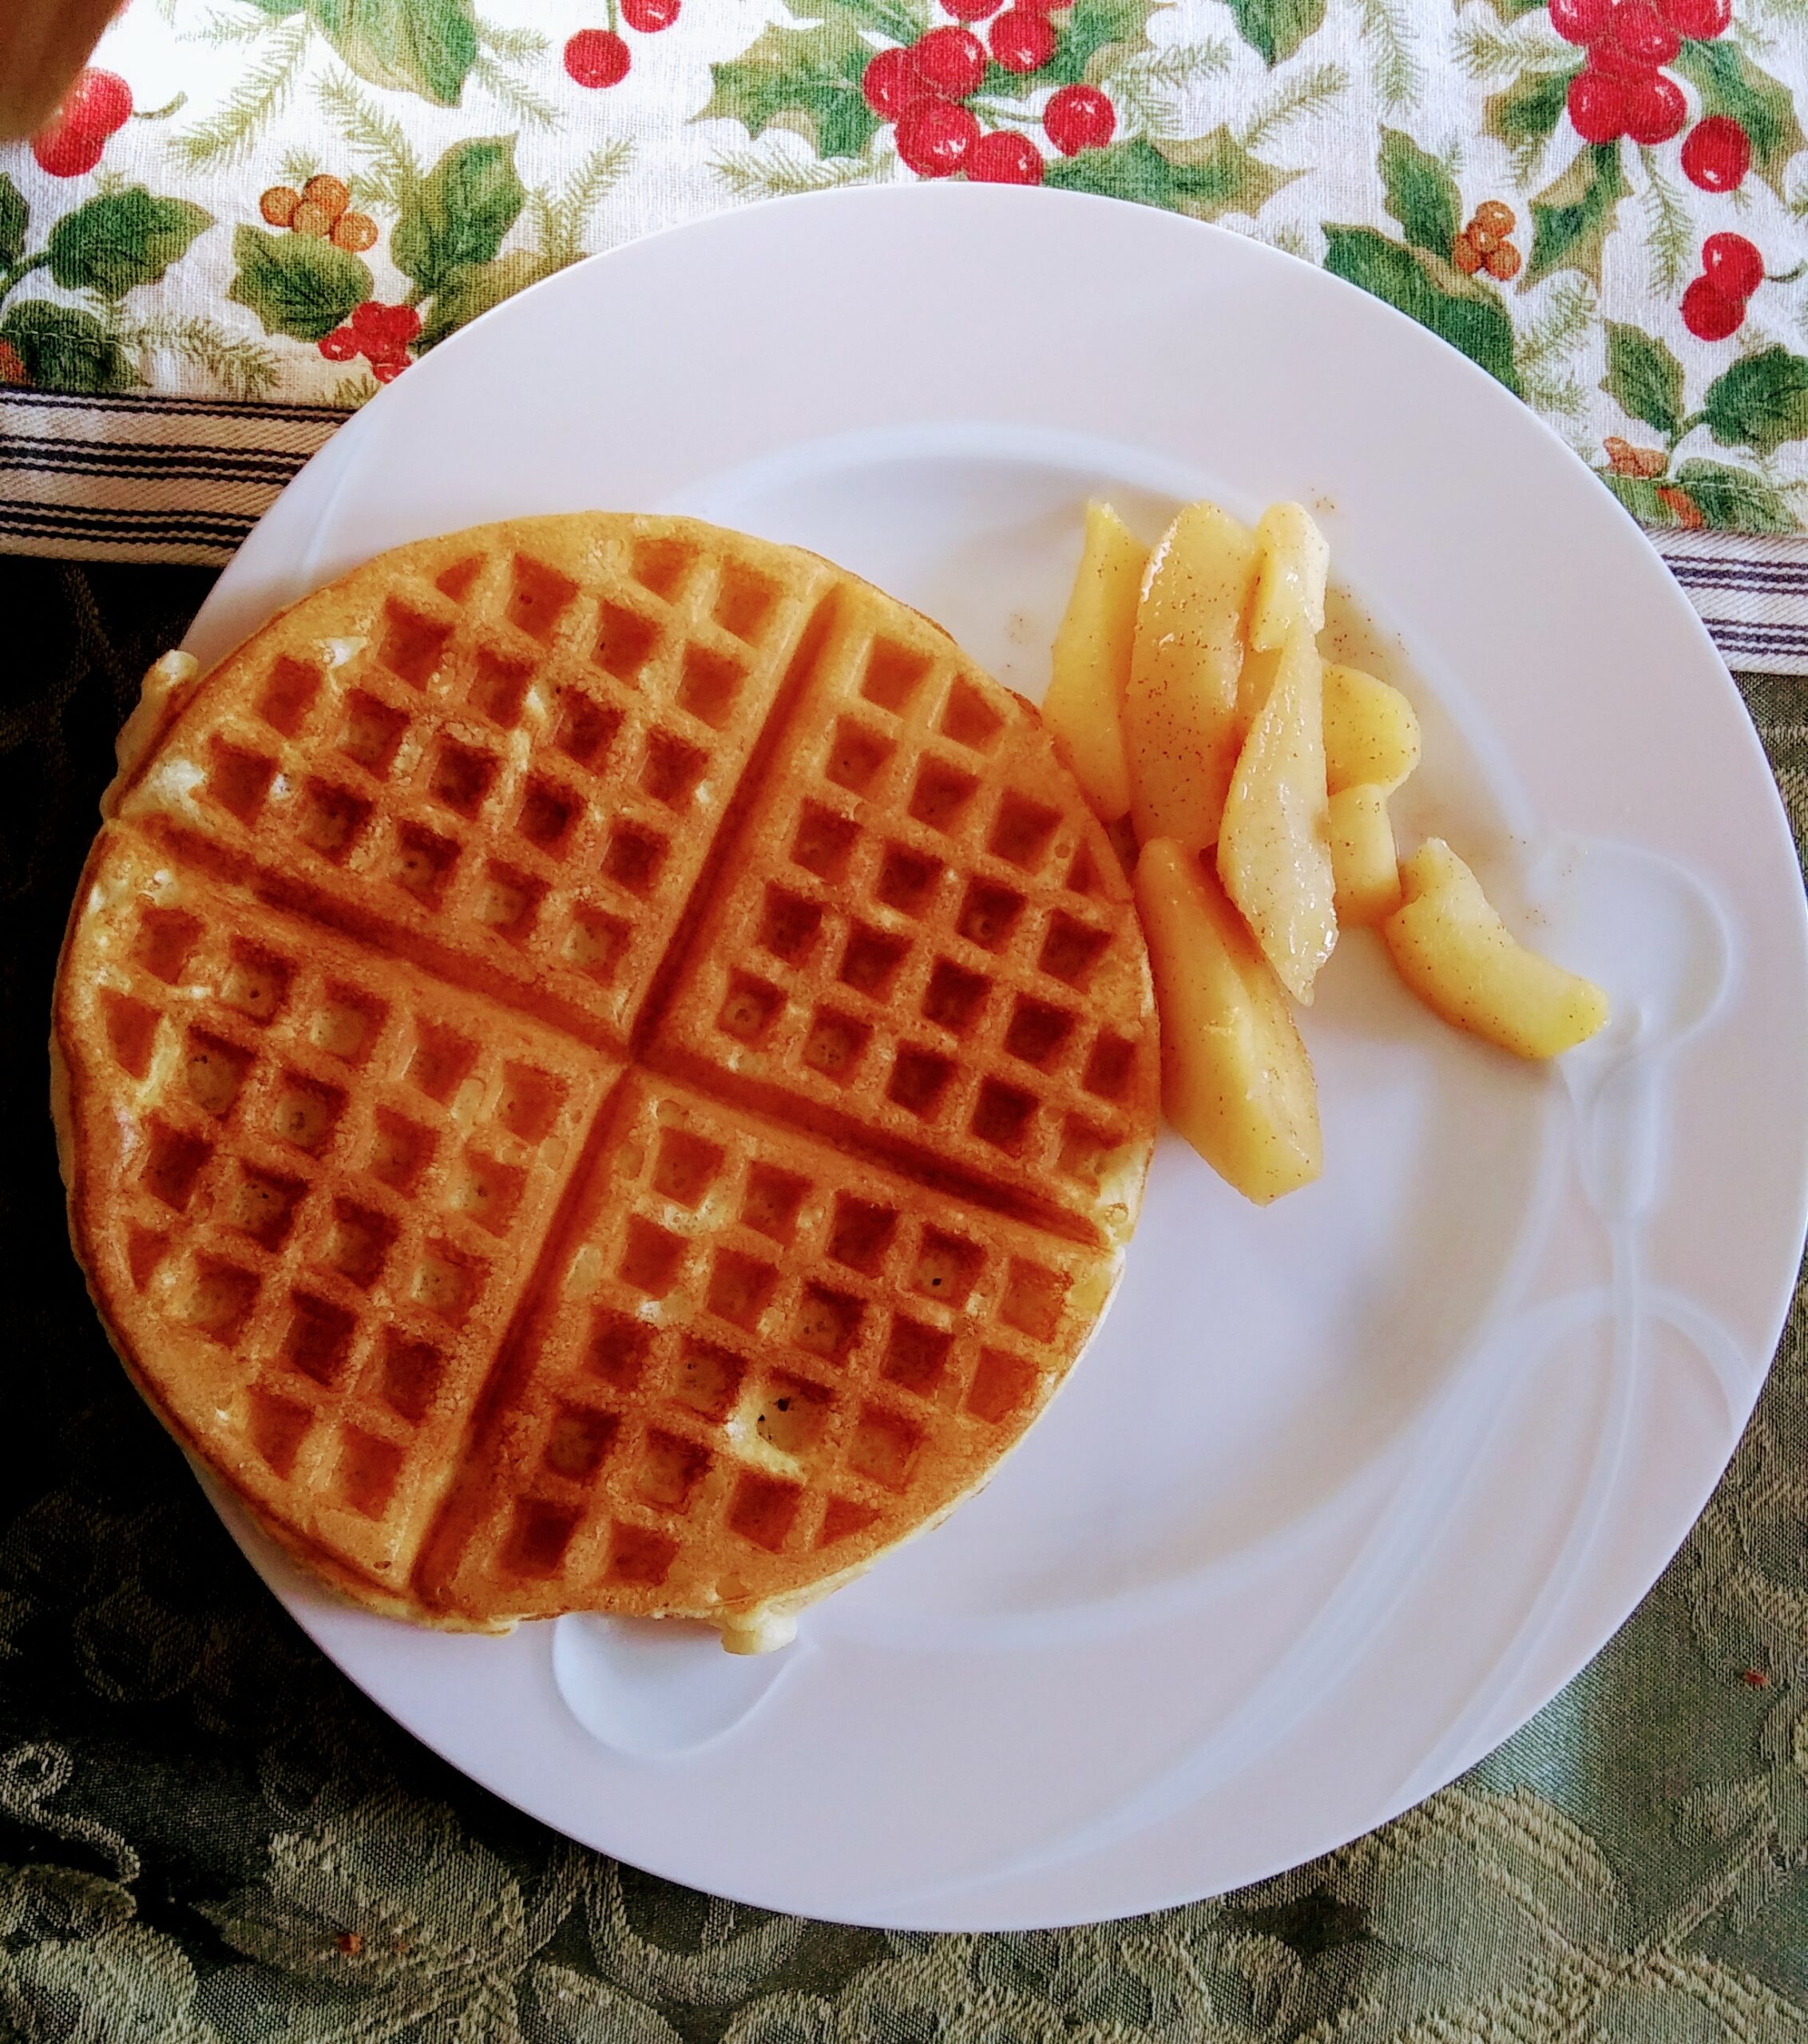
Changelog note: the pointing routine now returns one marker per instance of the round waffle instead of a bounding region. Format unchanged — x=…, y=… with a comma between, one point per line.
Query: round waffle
x=599, y=1065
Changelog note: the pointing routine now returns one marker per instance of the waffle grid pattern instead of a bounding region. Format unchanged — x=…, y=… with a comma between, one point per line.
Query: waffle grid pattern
x=339, y=1191
x=671, y=1348
x=501, y=760
x=947, y=1008
x=749, y=1345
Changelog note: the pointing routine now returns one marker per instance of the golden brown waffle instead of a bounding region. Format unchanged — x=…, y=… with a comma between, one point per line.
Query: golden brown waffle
x=601, y=1065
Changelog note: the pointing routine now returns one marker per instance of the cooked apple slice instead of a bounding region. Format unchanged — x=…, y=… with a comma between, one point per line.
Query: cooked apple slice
x=1290, y=582
x=1235, y=1080
x=1084, y=705
x=1451, y=949
x=1365, y=866
x=1371, y=732
x=1273, y=855
x=1182, y=721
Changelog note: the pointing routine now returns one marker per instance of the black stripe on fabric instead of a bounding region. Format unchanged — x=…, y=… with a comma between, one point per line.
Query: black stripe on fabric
x=55, y=444
x=1725, y=563
x=1799, y=543
x=128, y=465
x=231, y=408
x=1793, y=648
x=93, y=514
x=139, y=528
x=1757, y=585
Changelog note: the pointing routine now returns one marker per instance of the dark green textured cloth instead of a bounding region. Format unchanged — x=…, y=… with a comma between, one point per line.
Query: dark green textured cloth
x=206, y=1834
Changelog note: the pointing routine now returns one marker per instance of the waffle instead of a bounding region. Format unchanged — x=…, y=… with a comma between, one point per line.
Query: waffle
x=599, y=1065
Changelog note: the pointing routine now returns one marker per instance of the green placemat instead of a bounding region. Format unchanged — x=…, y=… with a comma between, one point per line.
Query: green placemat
x=208, y=1835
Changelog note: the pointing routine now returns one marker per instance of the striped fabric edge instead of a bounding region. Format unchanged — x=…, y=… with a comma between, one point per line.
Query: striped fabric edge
x=154, y=479
x=146, y=478
x=1752, y=590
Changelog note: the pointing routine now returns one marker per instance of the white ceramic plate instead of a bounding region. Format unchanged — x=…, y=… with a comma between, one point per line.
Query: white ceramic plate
x=1345, y=1490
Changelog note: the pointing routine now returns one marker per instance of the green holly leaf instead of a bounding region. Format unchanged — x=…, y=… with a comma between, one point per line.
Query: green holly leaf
x=1524, y=114
x=1275, y=29
x=1735, y=500
x=423, y=46
x=1205, y=178
x=475, y=287
x=1638, y=494
x=121, y=240
x=1430, y=289
x=1759, y=402
x=1730, y=83
x=1643, y=378
x=15, y=216
x=807, y=80
x=296, y=283
x=1572, y=217
x=893, y=21
x=1419, y=192
x=458, y=213
x=64, y=349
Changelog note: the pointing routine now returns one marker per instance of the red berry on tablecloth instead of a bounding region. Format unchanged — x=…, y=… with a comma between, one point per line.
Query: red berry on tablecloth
x=950, y=61
x=1580, y=20
x=277, y=204
x=386, y=368
x=341, y=345
x=1681, y=506
x=1466, y=255
x=1597, y=106
x=891, y=82
x=12, y=365
x=1717, y=154
x=98, y=103
x=1655, y=109
x=1022, y=40
x=1495, y=217
x=1709, y=313
x=1079, y=117
x=1005, y=158
x=649, y=16
x=1503, y=263
x=1701, y=21
x=67, y=151
x=1732, y=263
x=1638, y=29
x=1613, y=61
x=596, y=57
x=972, y=11
x=935, y=136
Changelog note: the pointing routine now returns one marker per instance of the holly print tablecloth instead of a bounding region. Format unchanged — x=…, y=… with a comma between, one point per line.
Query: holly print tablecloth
x=250, y=215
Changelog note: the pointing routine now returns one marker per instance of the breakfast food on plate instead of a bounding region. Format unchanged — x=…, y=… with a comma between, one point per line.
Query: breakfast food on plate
x=1371, y=745
x=1211, y=716
x=1085, y=705
x=1272, y=854
x=1451, y=949
x=1236, y=1082
x=1184, y=714
x=599, y=1064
